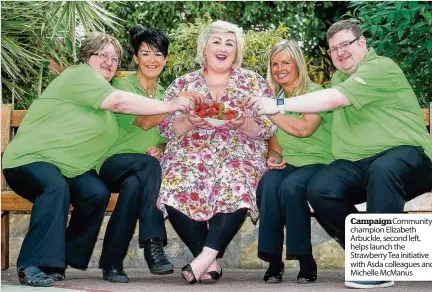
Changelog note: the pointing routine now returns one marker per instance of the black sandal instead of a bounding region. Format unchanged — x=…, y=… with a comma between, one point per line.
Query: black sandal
x=188, y=268
x=274, y=277
x=215, y=276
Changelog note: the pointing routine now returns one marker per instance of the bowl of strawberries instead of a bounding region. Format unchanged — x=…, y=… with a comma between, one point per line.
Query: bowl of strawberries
x=216, y=114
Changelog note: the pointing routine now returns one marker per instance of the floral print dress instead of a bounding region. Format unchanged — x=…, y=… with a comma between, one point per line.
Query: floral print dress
x=205, y=172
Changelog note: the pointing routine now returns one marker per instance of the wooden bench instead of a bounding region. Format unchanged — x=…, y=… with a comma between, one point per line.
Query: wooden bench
x=10, y=201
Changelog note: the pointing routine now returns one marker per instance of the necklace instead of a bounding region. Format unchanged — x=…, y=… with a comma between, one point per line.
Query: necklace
x=149, y=94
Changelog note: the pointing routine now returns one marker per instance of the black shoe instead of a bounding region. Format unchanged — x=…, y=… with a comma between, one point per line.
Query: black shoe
x=57, y=274
x=274, y=273
x=157, y=261
x=33, y=276
x=306, y=279
x=114, y=275
x=308, y=270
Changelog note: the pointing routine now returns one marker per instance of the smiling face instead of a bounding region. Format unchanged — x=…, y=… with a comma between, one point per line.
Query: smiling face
x=284, y=69
x=346, y=56
x=150, y=61
x=220, y=51
x=105, y=61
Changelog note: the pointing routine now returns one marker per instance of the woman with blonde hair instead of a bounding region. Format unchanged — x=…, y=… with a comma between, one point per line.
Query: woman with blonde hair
x=302, y=149
x=210, y=174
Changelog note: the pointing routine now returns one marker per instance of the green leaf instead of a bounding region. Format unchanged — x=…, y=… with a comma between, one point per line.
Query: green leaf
x=404, y=42
x=398, y=5
x=429, y=46
x=406, y=14
x=400, y=34
x=374, y=30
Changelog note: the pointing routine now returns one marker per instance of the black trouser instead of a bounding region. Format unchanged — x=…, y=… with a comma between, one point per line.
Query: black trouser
x=137, y=179
x=46, y=242
x=385, y=181
x=215, y=233
x=281, y=199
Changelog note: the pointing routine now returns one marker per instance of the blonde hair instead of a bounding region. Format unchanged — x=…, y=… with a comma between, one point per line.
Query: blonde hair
x=95, y=42
x=224, y=27
x=293, y=49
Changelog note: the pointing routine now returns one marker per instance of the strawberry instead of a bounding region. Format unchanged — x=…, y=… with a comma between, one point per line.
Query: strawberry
x=201, y=113
x=212, y=112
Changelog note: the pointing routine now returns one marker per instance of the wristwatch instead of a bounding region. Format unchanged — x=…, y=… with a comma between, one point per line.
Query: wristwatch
x=280, y=104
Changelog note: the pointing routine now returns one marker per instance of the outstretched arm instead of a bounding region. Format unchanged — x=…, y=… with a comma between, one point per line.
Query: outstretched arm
x=314, y=102
x=129, y=103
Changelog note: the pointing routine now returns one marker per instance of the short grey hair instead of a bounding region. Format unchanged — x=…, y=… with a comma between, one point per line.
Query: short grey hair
x=215, y=27
x=96, y=41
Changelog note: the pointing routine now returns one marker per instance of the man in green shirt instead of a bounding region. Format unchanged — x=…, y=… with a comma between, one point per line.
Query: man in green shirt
x=381, y=147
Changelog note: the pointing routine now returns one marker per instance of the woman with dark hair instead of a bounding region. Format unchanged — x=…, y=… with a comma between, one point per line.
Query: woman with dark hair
x=51, y=160
x=136, y=176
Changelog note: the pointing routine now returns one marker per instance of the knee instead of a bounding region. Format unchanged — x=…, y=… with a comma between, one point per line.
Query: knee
x=317, y=189
x=292, y=189
x=59, y=188
x=100, y=195
x=383, y=169
x=150, y=166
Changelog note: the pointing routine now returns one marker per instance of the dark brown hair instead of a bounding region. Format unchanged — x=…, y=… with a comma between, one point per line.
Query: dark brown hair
x=348, y=24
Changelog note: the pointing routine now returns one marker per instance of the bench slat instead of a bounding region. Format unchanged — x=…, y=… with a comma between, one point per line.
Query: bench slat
x=17, y=118
x=10, y=201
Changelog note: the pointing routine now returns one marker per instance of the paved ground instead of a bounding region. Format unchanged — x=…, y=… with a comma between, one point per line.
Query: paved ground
x=233, y=280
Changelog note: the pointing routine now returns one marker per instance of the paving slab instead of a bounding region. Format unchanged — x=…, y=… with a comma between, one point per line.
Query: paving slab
x=234, y=280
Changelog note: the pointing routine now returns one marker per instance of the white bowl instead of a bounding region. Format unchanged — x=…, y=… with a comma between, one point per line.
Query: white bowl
x=219, y=123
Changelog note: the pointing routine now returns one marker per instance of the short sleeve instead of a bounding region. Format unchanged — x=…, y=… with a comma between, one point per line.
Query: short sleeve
x=369, y=84
x=85, y=86
x=124, y=120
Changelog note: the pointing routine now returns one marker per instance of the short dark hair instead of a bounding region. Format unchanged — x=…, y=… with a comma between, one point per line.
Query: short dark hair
x=152, y=37
x=348, y=24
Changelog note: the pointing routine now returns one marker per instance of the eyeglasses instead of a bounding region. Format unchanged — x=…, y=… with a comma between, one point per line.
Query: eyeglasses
x=105, y=57
x=343, y=46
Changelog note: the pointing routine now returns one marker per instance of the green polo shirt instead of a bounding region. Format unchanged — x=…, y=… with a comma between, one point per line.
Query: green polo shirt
x=384, y=111
x=65, y=126
x=133, y=139
x=311, y=150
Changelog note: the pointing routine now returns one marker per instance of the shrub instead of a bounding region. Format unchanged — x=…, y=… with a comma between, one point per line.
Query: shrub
x=401, y=31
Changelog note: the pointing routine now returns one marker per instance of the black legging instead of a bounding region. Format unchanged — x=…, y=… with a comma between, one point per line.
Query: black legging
x=195, y=234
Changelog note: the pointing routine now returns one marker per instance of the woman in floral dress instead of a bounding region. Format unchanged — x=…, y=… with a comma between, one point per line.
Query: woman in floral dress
x=210, y=174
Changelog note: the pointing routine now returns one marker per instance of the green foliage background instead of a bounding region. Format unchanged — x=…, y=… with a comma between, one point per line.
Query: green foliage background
x=401, y=31
x=31, y=33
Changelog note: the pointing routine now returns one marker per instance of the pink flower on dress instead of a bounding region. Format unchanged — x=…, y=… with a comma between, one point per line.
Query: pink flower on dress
x=181, y=83
x=193, y=156
x=207, y=156
x=181, y=197
x=201, y=167
x=234, y=164
x=237, y=188
x=246, y=198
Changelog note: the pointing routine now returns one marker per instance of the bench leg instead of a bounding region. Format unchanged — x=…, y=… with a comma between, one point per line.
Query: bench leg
x=5, y=240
